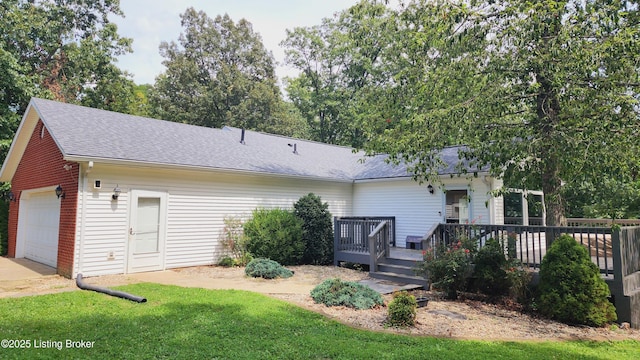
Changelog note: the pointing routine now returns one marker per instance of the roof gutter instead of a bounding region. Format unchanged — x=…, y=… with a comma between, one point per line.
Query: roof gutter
x=387, y=179
x=398, y=178
x=154, y=165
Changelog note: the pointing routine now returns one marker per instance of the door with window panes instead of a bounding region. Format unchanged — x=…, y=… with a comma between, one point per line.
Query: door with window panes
x=457, y=207
x=147, y=228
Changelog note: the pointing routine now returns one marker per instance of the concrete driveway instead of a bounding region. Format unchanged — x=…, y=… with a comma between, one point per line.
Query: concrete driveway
x=22, y=269
x=25, y=277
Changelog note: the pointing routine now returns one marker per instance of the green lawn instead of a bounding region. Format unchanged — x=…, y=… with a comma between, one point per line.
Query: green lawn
x=187, y=323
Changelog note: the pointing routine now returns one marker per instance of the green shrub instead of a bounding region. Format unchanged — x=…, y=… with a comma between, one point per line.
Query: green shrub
x=275, y=234
x=449, y=268
x=571, y=289
x=335, y=292
x=520, y=283
x=244, y=259
x=227, y=261
x=234, y=242
x=402, y=310
x=317, y=230
x=267, y=269
x=490, y=275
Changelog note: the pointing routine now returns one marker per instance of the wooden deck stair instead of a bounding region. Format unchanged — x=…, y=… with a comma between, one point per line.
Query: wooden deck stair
x=399, y=267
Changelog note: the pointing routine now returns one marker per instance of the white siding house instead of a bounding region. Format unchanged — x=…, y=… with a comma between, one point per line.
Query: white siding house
x=145, y=194
x=196, y=204
x=417, y=210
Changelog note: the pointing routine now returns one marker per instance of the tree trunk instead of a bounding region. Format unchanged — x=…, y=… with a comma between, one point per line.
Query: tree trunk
x=551, y=186
x=551, y=182
x=548, y=117
x=548, y=110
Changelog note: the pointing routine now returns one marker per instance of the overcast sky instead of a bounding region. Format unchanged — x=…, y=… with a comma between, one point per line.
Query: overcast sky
x=148, y=22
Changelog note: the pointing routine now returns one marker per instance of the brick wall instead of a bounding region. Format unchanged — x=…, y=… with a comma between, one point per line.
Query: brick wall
x=42, y=166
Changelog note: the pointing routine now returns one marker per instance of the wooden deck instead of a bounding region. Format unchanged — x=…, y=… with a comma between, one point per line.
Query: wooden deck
x=615, y=251
x=405, y=254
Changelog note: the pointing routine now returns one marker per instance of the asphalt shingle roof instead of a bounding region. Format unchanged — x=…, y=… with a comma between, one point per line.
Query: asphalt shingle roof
x=98, y=134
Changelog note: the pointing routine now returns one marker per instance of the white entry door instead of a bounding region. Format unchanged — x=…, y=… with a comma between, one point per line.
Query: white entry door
x=147, y=229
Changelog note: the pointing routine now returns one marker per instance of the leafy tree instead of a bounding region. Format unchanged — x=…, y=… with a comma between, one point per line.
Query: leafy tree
x=314, y=92
x=338, y=60
x=62, y=49
x=608, y=198
x=141, y=94
x=116, y=92
x=289, y=122
x=219, y=73
x=58, y=49
x=545, y=93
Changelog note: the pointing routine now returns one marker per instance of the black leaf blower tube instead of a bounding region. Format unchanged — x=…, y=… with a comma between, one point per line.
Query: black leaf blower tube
x=82, y=285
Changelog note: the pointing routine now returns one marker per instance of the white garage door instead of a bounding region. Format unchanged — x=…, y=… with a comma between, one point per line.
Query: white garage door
x=41, y=228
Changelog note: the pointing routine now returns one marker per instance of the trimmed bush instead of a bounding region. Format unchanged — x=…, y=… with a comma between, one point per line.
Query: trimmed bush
x=490, y=275
x=335, y=292
x=275, y=234
x=571, y=289
x=317, y=230
x=267, y=269
x=402, y=310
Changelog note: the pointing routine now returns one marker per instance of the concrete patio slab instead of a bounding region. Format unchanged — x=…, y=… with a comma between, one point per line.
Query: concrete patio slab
x=387, y=287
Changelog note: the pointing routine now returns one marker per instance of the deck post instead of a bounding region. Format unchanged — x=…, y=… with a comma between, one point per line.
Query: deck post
x=616, y=285
x=336, y=240
x=373, y=264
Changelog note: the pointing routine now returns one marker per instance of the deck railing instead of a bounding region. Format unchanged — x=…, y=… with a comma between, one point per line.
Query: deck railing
x=616, y=251
x=581, y=222
x=529, y=243
x=378, y=244
x=351, y=237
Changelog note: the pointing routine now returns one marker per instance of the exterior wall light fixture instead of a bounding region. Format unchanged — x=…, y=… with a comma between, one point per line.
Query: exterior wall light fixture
x=116, y=193
x=431, y=189
x=60, y=193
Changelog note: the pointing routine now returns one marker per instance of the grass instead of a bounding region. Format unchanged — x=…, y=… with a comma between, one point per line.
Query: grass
x=188, y=323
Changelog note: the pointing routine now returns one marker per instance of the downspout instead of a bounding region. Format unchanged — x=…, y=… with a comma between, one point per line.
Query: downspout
x=123, y=295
